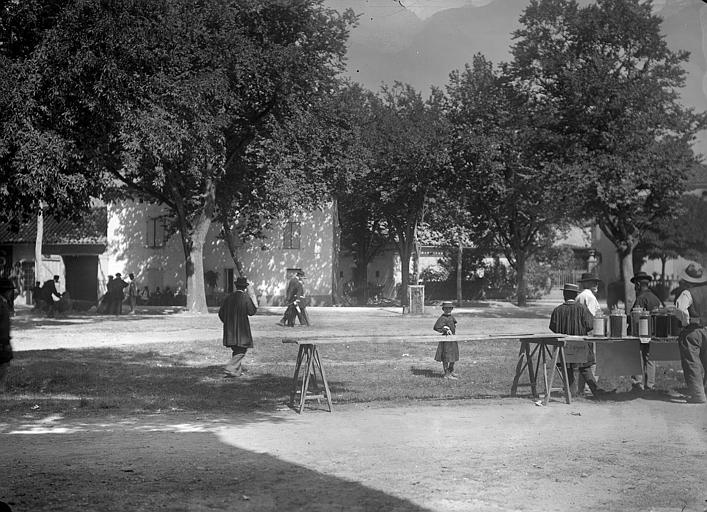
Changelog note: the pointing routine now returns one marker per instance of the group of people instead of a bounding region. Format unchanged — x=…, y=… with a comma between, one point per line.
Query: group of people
x=49, y=299
x=295, y=301
x=112, y=301
x=575, y=316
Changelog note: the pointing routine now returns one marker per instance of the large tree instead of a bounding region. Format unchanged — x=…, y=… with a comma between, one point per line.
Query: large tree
x=411, y=164
x=323, y=155
x=680, y=235
x=614, y=83
x=169, y=97
x=505, y=174
x=40, y=166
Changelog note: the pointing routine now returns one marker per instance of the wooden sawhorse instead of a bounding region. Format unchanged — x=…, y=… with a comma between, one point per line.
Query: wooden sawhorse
x=532, y=358
x=308, y=355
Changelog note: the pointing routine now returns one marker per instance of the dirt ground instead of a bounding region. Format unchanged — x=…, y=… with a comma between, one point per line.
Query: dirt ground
x=461, y=456
x=472, y=455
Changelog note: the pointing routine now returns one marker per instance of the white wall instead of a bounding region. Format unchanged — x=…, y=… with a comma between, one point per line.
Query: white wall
x=265, y=262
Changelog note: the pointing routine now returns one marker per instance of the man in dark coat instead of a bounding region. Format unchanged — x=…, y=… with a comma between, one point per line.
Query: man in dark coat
x=294, y=298
x=692, y=342
x=234, y=314
x=50, y=295
x=574, y=319
x=116, y=295
x=6, y=292
x=646, y=299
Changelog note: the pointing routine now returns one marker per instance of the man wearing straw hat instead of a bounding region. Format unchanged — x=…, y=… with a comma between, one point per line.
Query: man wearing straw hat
x=692, y=311
x=574, y=319
x=646, y=299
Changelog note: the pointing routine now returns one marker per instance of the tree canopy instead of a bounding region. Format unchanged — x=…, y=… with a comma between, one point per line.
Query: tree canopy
x=169, y=98
x=614, y=83
x=505, y=175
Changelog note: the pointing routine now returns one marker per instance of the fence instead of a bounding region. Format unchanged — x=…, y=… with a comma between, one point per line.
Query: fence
x=561, y=276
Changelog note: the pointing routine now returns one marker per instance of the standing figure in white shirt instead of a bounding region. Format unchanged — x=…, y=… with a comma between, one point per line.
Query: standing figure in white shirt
x=588, y=296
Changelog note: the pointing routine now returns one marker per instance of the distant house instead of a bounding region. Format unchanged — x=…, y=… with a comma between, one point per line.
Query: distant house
x=70, y=249
x=139, y=241
x=132, y=236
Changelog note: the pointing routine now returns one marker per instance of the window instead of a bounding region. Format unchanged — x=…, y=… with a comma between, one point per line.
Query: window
x=156, y=232
x=291, y=237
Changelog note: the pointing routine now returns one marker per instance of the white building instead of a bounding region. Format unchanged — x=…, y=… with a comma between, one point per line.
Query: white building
x=139, y=242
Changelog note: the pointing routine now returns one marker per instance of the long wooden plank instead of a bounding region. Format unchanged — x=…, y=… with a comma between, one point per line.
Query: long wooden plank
x=312, y=339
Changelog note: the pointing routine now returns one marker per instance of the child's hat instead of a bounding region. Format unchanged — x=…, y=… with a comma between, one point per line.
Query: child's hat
x=447, y=304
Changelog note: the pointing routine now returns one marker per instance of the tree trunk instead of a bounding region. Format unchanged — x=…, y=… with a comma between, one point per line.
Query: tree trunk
x=405, y=255
x=416, y=260
x=38, y=267
x=521, y=291
x=193, y=244
x=663, y=262
x=626, y=265
x=196, y=290
x=229, y=237
x=335, y=253
x=460, y=253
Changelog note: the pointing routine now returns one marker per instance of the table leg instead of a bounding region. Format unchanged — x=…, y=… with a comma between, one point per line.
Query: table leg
x=321, y=371
x=305, y=378
x=519, y=367
x=545, y=351
x=531, y=373
x=298, y=365
x=568, y=395
x=548, y=391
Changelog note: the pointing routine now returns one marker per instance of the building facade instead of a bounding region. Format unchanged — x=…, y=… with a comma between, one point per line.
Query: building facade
x=140, y=242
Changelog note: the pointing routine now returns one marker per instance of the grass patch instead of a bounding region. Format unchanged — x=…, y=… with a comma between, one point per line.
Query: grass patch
x=187, y=375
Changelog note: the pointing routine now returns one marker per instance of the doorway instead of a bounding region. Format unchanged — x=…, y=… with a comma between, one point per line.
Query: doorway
x=81, y=275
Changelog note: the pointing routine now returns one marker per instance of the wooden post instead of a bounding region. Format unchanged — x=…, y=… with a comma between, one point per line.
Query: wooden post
x=460, y=253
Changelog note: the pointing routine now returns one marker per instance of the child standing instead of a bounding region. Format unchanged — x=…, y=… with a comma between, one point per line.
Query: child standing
x=447, y=351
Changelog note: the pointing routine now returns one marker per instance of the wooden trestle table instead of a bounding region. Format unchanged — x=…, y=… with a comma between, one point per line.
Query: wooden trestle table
x=310, y=381
x=615, y=356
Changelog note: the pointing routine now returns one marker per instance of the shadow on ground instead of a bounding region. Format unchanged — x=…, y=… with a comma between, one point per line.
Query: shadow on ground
x=101, y=381
x=425, y=372
x=116, y=471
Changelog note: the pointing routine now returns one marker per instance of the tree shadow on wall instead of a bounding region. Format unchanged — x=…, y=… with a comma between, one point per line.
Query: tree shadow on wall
x=154, y=254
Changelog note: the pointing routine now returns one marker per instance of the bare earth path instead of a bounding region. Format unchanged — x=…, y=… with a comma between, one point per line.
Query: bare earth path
x=472, y=455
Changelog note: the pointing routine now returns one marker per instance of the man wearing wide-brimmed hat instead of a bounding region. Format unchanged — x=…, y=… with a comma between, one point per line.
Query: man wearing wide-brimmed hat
x=234, y=314
x=574, y=319
x=692, y=311
x=646, y=299
x=7, y=290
